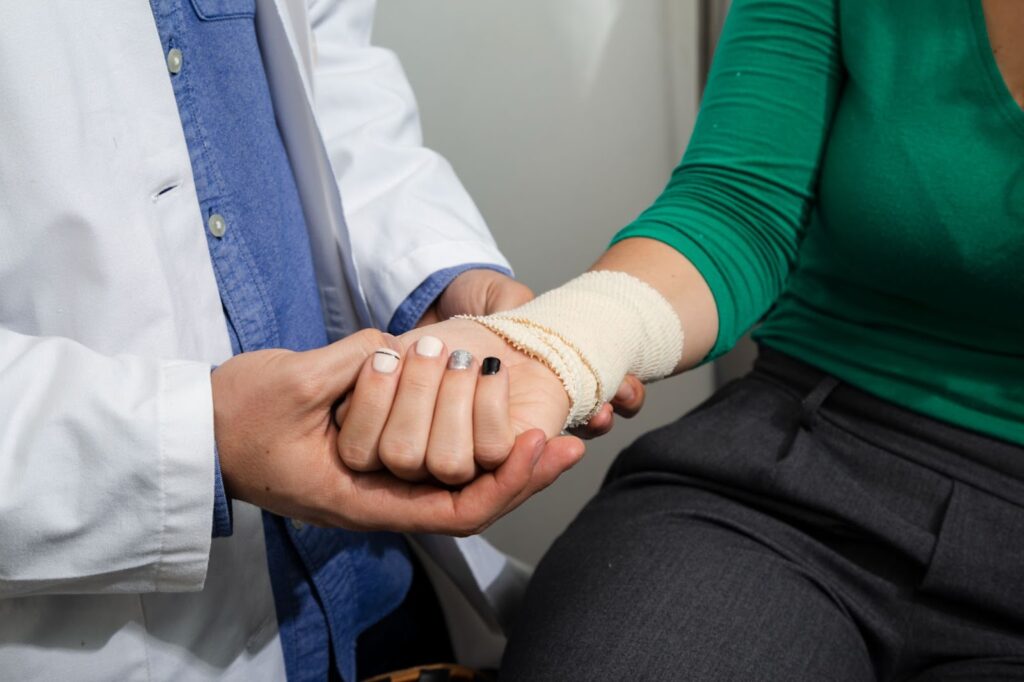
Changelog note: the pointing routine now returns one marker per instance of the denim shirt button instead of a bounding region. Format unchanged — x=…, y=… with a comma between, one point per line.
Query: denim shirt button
x=218, y=226
x=174, y=60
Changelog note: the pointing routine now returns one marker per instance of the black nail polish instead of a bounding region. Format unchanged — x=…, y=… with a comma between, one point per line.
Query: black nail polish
x=491, y=366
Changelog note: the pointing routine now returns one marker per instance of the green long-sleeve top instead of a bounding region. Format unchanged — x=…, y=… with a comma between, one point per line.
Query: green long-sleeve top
x=857, y=173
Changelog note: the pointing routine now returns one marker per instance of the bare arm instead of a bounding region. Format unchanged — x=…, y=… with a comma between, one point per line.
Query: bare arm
x=679, y=282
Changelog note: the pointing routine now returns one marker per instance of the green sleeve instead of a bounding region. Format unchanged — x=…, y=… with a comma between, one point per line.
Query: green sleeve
x=738, y=203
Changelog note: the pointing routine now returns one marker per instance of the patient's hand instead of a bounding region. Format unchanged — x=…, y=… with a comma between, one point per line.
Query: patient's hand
x=416, y=415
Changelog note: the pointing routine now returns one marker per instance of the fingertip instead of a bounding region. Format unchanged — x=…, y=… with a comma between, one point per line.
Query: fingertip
x=577, y=449
x=571, y=448
x=629, y=400
x=599, y=425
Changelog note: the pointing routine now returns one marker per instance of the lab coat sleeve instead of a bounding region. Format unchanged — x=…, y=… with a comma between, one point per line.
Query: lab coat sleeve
x=106, y=470
x=408, y=214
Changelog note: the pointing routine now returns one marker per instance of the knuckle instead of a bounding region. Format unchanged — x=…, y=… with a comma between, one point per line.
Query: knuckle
x=451, y=469
x=356, y=456
x=371, y=339
x=304, y=386
x=493, y=449
x=418, y=383
x=400, y=453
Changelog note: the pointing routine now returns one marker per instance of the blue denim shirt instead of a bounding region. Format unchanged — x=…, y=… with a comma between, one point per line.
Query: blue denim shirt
x=329, y=585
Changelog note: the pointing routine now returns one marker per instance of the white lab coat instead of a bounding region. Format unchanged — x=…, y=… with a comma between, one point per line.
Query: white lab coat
x=110, y=320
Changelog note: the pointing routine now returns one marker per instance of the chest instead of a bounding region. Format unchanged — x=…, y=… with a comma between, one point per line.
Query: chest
x=922, y=184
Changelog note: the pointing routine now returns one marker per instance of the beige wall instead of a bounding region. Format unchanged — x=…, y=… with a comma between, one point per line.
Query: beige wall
x=564, y=119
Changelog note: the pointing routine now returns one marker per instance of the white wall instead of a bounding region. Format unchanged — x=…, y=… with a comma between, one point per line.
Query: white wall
x=564, y=119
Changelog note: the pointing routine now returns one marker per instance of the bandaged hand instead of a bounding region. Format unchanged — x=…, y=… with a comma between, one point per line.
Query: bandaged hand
x=448, y=401
x=593, y=332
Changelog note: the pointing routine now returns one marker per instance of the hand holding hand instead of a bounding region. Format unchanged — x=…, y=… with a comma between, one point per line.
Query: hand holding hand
x=278, y=447
x=421, y=418
x=427, y=413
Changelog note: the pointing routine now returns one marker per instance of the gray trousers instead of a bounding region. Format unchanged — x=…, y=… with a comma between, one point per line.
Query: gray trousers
x=792, y=528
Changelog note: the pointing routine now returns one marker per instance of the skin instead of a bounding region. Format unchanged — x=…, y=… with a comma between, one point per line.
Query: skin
x=425, y=420
x=1005, y=22
x=278, y=438
x=536, y=398
x=278, y=446
x=533, y=395
x=480, y=292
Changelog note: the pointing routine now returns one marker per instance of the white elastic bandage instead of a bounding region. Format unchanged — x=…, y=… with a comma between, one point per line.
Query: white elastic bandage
x=592, y=332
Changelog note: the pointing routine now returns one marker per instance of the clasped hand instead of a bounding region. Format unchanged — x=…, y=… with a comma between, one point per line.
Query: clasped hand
x=387, y=456
x=278, y=439
x=426, y=409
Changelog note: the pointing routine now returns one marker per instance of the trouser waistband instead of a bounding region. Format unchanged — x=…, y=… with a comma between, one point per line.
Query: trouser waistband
x=955, y=451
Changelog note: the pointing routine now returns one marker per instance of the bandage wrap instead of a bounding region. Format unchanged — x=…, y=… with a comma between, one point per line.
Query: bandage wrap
x=592, y=332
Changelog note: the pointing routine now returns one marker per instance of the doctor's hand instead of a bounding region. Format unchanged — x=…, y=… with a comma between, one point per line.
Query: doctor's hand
x=477, y=292
x=277, y=444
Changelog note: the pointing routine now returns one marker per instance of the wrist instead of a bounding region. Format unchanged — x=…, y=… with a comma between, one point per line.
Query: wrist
x=594, y=331
x=223, y=450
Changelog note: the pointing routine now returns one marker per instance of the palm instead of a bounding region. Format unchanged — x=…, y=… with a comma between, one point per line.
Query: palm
x=537, y=398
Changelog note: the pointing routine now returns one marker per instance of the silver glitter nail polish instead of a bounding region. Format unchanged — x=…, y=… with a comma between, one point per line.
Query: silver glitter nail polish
x=460, y=359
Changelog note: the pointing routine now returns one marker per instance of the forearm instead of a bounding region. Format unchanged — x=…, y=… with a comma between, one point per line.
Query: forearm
x=738, y=205
x=679, y=281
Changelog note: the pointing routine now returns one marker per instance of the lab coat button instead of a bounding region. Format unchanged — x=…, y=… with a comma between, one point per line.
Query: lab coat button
x=218, y=226
x=174, y=60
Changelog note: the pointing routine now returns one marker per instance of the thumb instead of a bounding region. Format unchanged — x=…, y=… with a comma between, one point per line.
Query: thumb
x=337, y=366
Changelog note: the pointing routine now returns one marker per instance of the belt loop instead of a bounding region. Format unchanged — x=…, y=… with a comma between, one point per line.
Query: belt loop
x=812, y=401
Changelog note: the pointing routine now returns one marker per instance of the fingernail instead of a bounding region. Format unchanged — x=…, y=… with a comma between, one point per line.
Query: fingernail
x=460, y=359
x=491, y=366
x=626, y=393
x=429, y=346
x=385, y=360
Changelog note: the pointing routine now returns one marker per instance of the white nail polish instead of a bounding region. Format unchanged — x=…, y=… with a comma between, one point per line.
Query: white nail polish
x=429, y=346
x=385, y=361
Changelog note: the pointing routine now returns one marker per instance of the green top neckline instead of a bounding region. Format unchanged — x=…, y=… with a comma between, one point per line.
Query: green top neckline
x=1000, y=90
